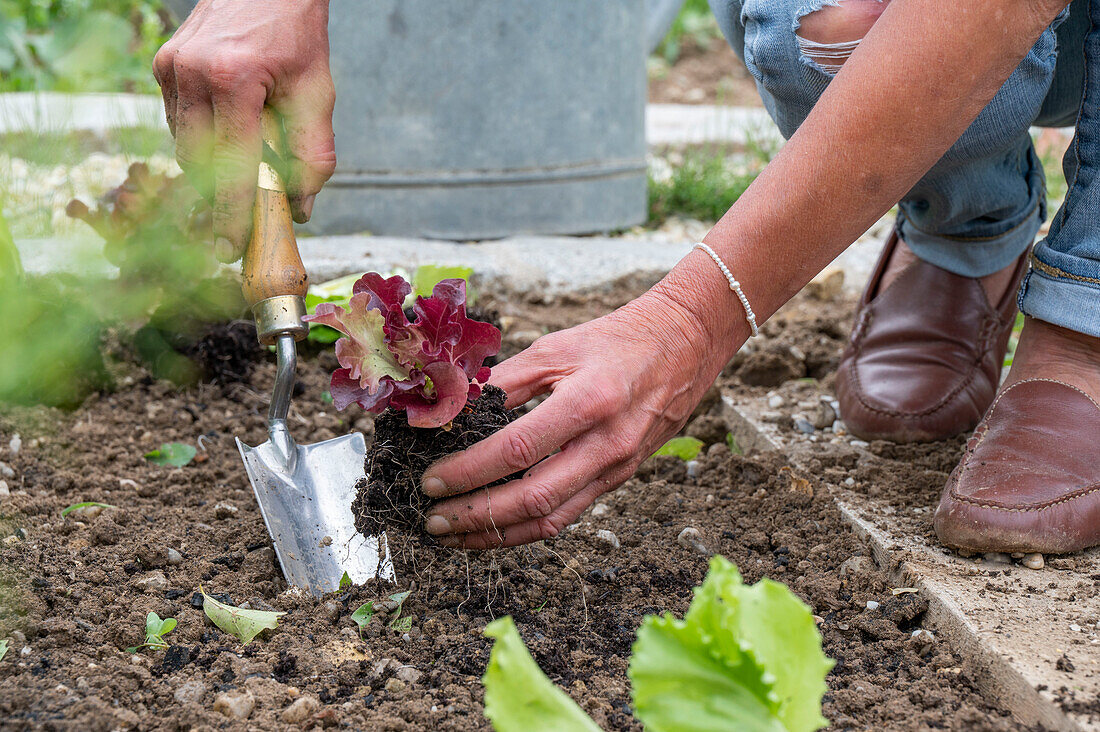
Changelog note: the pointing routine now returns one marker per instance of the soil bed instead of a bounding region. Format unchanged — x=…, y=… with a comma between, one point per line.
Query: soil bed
x=81, y=586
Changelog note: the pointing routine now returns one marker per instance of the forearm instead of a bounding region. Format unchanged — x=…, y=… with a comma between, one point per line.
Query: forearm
x=919, y=77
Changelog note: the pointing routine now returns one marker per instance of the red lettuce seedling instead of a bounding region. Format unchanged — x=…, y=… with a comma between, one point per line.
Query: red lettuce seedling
x=428, y=367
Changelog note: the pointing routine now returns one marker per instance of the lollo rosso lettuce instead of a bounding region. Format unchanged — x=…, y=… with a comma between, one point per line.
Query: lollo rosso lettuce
x=428, y=367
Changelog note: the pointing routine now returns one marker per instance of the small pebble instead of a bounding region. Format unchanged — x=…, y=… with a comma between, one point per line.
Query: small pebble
x=1075, y=628
x=859, y=443
x=775, y=401
x=15, y=445
x=922, y=640
x=235, y=705
x=1033, y=561
x=822, y=416
x=190, y=692
x=600, y=509
x=174, y=557
x=608, y=538
x=849, y=482
x=395, y=685
x=6, y=471
x=4, y=490
x=1018, y=555
x=128, y=483
x=225, y=510
x=408, y=674
x=692, y=468
x=153, y=582
x=332, y=611
x=803, y=425
x=301, y=710
x=690, y=538
x=872, y=605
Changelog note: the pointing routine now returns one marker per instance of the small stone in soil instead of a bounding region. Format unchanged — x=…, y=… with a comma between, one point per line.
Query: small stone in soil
x=690, y=538
x=174, y=557
x=922, y=641
x=775, y=401
x=608, y=538
x=803, y=425
x=235, y=705
x=190, y=692
x=872, y=605
x=1033, y=561
x=301, y=710
x=152, y=582
x=6, y=471
x=408, y=674
x=225, y=510
x=600, y=509
x=15, y=445
x=4, y=490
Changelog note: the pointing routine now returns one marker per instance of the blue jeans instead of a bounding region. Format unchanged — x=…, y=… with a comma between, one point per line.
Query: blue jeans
x=980, y=207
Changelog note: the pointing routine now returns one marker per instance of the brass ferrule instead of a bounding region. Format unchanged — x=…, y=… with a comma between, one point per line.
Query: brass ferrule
x=280, y=315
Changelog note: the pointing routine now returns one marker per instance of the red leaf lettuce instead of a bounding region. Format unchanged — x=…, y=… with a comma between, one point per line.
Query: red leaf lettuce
x=428, y=367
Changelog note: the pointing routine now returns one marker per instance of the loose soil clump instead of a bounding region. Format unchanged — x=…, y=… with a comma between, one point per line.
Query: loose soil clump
x=389, y=497
x=75, y=590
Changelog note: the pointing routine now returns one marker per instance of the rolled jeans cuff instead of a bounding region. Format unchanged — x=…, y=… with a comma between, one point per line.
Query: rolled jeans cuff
x=1060, y=298
x=972, y=257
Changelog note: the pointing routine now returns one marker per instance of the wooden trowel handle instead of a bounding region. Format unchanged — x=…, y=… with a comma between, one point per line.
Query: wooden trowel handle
x=272, y=265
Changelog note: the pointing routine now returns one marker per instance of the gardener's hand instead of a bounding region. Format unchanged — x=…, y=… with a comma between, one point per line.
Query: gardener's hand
x=227, y=60
x=621, y=386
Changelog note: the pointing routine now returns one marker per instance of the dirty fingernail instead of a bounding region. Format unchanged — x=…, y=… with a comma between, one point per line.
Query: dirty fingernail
x=436, y=525
x=434, y=487
x=223, y=250
x=306, y=206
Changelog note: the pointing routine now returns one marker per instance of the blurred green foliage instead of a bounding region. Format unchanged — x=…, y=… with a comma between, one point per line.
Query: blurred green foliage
x=695, y=21
x=80, y=45
x=68, y=332
x=703, y=182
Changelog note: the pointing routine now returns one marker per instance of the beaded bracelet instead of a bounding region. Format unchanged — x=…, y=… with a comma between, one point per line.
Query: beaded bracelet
x=735, y=286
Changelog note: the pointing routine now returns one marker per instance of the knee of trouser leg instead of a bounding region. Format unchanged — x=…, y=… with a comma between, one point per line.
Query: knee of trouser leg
x=829, y=34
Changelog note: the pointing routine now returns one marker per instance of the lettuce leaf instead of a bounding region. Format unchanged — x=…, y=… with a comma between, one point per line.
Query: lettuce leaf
x=745, y=654
x=518, y=696
x=744, y=658
x=429, y=366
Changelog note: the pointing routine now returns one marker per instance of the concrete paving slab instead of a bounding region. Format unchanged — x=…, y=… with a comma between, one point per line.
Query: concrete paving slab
x=1034, y=644
x=90, y=112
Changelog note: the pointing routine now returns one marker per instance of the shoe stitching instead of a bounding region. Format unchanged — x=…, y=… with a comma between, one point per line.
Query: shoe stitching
x=989, y=326
x=990, y=330
x=979, y=437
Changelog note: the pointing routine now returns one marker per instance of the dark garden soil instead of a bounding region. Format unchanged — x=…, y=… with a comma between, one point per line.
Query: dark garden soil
x=390, y=496
x=76, y=590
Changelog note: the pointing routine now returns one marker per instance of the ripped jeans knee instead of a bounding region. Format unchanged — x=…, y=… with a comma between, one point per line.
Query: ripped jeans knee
x=830, y=31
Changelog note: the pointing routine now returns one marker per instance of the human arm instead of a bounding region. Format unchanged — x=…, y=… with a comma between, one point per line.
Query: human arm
x=227, y=61
x=919, y=77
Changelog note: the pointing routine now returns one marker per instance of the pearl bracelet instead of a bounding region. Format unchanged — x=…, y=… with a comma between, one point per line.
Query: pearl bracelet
x=735, y=286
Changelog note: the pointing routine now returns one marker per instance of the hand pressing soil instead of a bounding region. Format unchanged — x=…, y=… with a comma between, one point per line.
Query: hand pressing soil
x=390, y=496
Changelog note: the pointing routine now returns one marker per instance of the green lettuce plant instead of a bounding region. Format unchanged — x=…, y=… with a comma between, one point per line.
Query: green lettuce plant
x=745, y=657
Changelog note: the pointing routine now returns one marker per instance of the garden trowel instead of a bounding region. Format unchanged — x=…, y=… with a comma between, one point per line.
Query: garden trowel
x=304, y=491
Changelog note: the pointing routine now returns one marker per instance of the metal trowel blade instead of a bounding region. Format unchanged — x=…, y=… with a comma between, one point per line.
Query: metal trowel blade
x=307, y=511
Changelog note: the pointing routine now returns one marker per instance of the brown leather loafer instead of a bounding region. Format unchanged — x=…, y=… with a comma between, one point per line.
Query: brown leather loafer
x=924, y=358
x=1029, y=480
